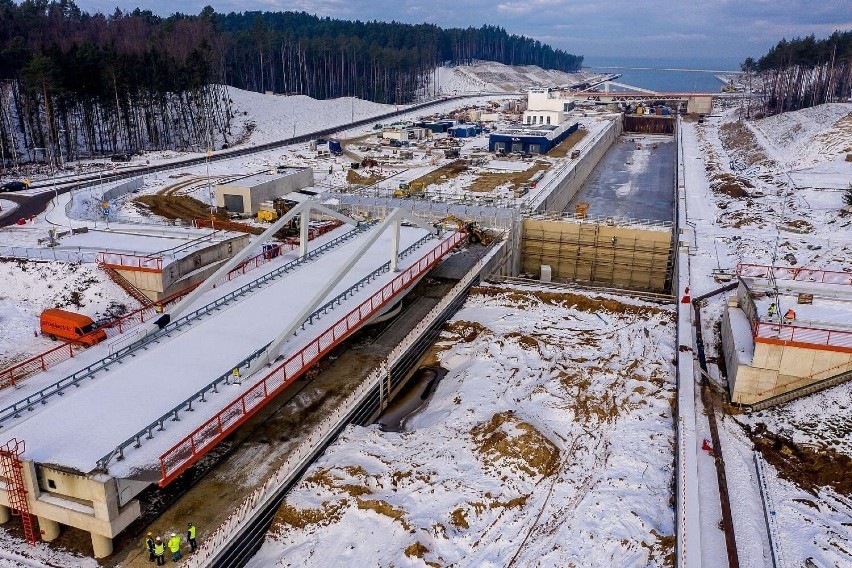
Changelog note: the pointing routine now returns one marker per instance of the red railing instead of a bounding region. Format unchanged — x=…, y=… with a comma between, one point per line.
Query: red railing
x=185, y=453
x=43, y=361
x=133, y=261
x=795, y=273
x=791, y=333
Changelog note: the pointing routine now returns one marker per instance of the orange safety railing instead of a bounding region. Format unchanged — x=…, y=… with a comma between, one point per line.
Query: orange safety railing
x=773, y=332
x=798, y=274
x=185, y=453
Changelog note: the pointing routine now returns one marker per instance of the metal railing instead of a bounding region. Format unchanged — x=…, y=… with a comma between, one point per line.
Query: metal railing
x=135, y=261
x=769, y=512
x=58, y=388
x=185, y=453
x=148, y=431
x=798, y=274
x=604, y=220
x=793, y=333
x=303, y=453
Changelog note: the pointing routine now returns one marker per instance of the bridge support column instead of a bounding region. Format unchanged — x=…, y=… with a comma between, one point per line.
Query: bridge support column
x=304, y=222
x=102, y=545
x=394, y=259
x=5, y=514
x=48, y=528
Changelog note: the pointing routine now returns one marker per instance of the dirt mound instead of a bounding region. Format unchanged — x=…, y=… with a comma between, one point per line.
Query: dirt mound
x=354, y=178
x=523, y=298
x=466, y=331
x=809, y=468
x=382, y=507
x=740, y=141
x=288, y=515
x=731, y=185
x=178, y=207
x=506, y=440
x=489, y=181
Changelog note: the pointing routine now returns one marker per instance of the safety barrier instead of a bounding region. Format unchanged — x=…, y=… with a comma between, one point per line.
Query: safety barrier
x=798, y=274
x=768, y=512
x=58, y=388
x=791, y=333
x=303, y=453
x=131, y=261
x=186, y=452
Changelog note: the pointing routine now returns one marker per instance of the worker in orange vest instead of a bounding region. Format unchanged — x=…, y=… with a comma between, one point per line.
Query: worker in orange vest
x=789, y=315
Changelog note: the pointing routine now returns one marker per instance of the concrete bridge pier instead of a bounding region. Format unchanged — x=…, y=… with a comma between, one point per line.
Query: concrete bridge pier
x=49, y=529
x=102, y=545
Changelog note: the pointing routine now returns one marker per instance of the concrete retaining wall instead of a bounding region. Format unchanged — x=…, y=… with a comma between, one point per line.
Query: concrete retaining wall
x=558, y=194
x=623, y=256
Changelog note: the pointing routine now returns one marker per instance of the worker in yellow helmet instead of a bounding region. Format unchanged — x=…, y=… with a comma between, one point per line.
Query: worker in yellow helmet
x=160, y=552
x=174, y=547
x=149, y=546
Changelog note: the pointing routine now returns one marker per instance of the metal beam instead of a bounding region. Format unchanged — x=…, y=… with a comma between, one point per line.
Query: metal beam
x=223, y=270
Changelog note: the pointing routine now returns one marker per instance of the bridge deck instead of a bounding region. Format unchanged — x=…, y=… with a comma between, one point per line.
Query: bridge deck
x=88, y=422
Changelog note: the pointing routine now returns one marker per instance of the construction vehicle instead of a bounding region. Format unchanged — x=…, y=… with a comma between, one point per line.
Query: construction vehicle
x=521, y=191
x=56, y=323
x=409, y=190
x=334, y=148
x=475, y=233
x=271, y=211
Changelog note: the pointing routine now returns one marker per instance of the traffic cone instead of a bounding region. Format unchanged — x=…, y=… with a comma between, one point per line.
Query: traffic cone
x=686, y=298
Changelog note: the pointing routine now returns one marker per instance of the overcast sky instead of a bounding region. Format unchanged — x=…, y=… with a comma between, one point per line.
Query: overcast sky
x=685, y=32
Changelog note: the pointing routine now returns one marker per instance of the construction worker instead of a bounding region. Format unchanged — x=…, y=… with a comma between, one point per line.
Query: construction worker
x=772, y=309
x=789, y=315
x=160, y=552
x=174, y=547
x=149, y=544
x=190, y=537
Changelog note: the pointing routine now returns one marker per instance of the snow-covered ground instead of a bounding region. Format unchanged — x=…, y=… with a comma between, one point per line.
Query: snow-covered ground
x=548, y=443
x=42, y=555
x=490, y=76
x=27, y=287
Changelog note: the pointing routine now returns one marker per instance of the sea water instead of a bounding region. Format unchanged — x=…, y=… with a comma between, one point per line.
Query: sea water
x=665, y=75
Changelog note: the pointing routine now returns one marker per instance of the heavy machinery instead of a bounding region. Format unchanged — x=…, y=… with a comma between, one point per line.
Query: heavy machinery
x=475, y=233
x=271, y=211
x=409, y=190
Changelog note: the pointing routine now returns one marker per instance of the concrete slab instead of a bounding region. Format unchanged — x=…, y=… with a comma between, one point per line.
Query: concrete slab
x=632, y=183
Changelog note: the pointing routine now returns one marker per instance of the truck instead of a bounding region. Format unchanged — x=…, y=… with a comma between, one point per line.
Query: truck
x=57, y=323
x=334, y=148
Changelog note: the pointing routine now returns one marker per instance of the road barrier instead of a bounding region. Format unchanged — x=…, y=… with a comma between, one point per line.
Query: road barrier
x=798, y=274
x=772, y=332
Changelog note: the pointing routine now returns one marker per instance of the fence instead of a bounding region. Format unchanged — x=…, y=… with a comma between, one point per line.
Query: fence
x=186, y=452
x=64, y=255
x=800, y=334
x=301, y=455
x=134, y=261
x=794, y=273
x=768, y=512
x=88, y=205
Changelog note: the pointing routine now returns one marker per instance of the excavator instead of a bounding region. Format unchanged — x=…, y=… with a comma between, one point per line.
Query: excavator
x=475, y=233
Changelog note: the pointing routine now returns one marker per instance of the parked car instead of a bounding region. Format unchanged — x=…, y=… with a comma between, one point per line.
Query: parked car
x=56, y=323
x=11, y=186
x=121, y=157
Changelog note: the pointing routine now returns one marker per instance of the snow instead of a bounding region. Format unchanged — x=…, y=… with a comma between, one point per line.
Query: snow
x=143, y=388
x=276, y=117
x=490, y=76
x=606, y=407
x=15, y=555
x=7, y=207
x=741, y=332
x=29, y=287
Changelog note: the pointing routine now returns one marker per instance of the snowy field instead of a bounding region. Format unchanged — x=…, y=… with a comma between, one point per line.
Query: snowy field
x=490, y=76
x=548, y=443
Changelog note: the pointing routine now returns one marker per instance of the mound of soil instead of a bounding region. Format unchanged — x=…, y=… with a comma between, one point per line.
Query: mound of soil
x=507, y=440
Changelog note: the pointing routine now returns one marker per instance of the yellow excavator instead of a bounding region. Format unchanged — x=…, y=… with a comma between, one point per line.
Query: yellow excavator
x=414, y=189
x=475, y=233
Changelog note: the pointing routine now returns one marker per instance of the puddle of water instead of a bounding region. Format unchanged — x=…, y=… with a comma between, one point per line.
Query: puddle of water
x=413, y=396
